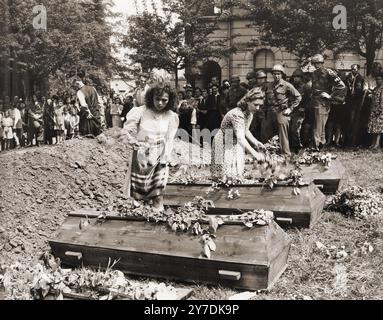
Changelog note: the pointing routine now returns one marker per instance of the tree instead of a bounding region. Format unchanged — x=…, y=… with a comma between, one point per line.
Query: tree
x=305, y=27
x=174, y=40
x=77, y=38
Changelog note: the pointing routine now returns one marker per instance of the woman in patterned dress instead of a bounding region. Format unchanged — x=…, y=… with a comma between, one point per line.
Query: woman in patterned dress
x=150, y=129
x=234, y=138
x=375, y=125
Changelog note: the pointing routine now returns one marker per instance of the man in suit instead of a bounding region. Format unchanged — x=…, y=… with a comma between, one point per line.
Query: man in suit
x=214, y=109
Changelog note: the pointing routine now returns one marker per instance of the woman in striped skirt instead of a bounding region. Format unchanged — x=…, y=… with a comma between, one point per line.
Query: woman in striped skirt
x=151, y=130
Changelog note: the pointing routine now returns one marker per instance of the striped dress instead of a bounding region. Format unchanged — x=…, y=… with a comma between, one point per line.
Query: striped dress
x=157, y=132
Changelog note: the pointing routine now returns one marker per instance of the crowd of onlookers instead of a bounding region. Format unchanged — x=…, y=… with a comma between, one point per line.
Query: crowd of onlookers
x=51, y=120
x=355, y=120
x=351, y=121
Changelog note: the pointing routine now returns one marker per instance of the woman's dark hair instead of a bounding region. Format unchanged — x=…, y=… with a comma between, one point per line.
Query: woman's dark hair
x=159, y=90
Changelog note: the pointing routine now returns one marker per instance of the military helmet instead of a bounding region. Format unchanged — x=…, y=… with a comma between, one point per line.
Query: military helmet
x=317, y=58
x=298, y=73
x=278, y=67
x=260, y=74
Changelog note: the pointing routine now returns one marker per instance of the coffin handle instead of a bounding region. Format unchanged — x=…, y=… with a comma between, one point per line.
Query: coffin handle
x=320, y=186
x=280, y=219
x=78, y=255
x=229, y=275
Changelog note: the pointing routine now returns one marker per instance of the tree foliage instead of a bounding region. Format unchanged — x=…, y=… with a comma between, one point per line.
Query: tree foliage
x=305, y=27
x=77, y=38
x=175, y=39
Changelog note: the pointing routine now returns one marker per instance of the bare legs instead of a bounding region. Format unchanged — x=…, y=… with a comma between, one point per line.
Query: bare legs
x=375, y=141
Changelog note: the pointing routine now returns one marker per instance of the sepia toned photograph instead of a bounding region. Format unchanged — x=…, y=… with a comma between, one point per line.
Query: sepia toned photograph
x=191, y=150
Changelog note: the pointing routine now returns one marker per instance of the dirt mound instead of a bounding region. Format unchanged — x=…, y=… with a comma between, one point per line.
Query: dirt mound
x=41, y=185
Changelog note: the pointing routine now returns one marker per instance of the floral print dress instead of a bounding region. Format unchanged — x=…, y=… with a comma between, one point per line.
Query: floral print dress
x=375, y=124
x=228, y=155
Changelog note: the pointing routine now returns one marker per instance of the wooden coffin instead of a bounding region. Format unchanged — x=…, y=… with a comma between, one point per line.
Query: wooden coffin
x=290, y=210
x=328, y=180
x=250, y=259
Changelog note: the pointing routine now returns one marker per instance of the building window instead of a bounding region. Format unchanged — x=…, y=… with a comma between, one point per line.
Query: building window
x=211, y=9
x=264, y=60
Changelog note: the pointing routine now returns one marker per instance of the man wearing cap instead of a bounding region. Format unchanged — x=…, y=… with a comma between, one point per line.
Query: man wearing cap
x=235, y=93
x=298, y=115
x=327, y=88
x=281, y=99
x=356, y=93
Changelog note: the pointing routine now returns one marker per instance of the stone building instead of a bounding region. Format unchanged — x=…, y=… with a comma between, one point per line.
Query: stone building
x=257, y=57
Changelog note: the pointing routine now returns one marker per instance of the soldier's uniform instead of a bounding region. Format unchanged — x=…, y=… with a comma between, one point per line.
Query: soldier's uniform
x=279, y=97
x=324, y=80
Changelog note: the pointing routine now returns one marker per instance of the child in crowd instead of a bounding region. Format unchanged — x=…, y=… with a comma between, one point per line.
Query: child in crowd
x=74, y=124
x=59, y=121
x=67, y=117
x=7, y=125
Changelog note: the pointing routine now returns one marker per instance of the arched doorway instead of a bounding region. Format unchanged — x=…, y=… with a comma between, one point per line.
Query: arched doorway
x=210, y=69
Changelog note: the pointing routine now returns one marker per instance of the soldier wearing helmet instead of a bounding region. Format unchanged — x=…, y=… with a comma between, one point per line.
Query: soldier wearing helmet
x=281, y=99
x=326, y=88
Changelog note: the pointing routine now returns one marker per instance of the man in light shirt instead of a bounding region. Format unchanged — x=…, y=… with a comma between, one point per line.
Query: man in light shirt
x=17, y=124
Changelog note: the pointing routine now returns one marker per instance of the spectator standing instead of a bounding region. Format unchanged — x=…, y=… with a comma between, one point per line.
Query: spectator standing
x=49, y=121
x=17, y=123
x=370, y=80
x=357, y=90
x=375, y=125
x=235, y=93
x=74, y=124
x=108, y=117
x=214, y=112
x=7, y=125
x=201, y=98
x=35, y=123
x=298, y=114
x=115, y=112
x=59, y=122
x=281, y=99
x=327, y=88
x=2, y=145
x=128, y=105
x=188, y=113
x=90, y=109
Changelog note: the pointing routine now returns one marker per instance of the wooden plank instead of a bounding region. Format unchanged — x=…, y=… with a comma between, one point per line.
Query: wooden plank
x=171, y=267
x=152, y=250
x=331, y=178
x=138, y=236
x=290, y=210
x=277, y=199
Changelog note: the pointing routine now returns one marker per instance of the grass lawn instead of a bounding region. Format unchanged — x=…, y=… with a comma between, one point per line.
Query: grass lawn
x=315, y=273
